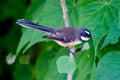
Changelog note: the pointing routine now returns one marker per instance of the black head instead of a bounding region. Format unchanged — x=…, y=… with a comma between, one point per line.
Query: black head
x=84, y=34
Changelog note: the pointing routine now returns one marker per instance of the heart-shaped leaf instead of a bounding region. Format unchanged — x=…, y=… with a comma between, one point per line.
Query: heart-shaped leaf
x=65, y=65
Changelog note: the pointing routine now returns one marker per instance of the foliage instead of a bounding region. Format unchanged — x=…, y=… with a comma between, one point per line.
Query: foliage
x=65, y=65
x=111, y=72
x=42, y=57
x=100, y=16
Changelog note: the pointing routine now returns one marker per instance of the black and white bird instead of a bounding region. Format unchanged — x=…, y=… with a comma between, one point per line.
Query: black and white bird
x=66, y=36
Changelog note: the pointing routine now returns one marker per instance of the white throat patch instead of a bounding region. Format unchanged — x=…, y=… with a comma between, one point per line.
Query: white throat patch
x=87, y=32
x=84, y=38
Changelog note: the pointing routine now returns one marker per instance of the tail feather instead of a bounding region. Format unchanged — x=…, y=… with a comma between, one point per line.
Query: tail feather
x=28, y=24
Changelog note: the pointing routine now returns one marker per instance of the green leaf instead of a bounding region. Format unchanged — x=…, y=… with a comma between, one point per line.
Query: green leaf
x=29, y=37
x=110, y=47
x=85, y=63
x=65, y=65
x=44, y=14
x=47, y=13
x=46, y=68
x=108, y=67
x=113, y=35
x=96, y=15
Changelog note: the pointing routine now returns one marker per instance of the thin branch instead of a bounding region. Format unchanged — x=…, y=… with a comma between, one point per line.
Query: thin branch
x=69, y=77
x=66, y=20
x=72, y=52
x=65, y=15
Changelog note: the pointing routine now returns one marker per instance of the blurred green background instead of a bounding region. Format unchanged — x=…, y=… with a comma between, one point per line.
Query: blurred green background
x=38, y=62
x=10, y=33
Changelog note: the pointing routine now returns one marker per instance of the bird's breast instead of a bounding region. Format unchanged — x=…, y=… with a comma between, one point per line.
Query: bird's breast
x=73, y=43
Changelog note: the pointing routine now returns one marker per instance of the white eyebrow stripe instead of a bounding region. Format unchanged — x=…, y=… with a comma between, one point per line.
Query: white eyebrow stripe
x=87, y=32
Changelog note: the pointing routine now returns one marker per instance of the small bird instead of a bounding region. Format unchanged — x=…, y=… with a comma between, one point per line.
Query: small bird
x=66, y=37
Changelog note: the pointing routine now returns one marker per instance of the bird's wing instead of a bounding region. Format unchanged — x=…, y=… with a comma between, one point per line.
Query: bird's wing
x=55, y=37
x=59, y=37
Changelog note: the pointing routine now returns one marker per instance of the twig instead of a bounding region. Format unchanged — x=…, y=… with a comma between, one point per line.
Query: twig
x=69, y=76
x=65, y=15
x=72, y=53
x=66, y=20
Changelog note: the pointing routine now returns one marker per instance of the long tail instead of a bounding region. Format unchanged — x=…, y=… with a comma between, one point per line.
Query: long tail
x=28, y=24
